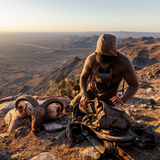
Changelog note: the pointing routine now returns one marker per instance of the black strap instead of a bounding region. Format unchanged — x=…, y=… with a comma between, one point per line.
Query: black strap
x=123, y=86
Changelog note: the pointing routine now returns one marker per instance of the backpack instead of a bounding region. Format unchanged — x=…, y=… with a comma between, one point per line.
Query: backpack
x=105, y=127
x=101, y=115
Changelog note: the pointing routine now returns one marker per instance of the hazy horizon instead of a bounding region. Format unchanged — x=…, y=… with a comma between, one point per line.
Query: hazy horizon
x=60, y=35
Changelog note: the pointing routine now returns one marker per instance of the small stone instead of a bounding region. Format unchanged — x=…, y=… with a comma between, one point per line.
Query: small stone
x=146, y=153
x=129, y=112
x=44, y=156
x=144, y=85
x=155, y=100
x=15, y=156
x=136, y=110
x=149, y=90
x=143, y=106
x=52, y=127
x=90, y=153
x=132, y=106
x=150, y=108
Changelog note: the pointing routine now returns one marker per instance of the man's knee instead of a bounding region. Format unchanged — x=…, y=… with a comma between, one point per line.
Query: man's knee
x=76, y=99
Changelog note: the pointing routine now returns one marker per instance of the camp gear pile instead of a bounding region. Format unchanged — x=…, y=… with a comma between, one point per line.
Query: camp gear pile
x=105, y=127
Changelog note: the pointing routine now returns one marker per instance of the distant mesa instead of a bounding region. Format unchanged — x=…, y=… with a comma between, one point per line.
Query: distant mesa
x=146, y=38
x=81, y=42
x=138, y=41
x=74, y=38
x=142, y=51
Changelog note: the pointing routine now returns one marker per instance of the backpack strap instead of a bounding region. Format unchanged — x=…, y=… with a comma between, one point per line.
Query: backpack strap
x=123, y=86
x=114, y=62
x=74, y=132
x=142, y=138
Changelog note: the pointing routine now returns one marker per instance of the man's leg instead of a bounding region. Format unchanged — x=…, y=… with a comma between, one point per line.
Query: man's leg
x=76, y=99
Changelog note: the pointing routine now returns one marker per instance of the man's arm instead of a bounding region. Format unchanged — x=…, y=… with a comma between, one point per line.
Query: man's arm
x=131, y=79
x=83, y=81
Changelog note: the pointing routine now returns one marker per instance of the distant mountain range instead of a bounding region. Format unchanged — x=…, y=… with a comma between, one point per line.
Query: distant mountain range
x=122, y=34
x=118, y=34
x=65, y=39
x=144, y=52
x=75, y=41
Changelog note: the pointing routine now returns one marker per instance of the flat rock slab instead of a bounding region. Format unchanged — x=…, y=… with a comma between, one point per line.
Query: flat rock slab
x=53, y=127
x=45, y=156
x=6, y=107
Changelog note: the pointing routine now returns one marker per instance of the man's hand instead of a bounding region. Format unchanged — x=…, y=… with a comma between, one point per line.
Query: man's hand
x=117, y=100
x=83, y=101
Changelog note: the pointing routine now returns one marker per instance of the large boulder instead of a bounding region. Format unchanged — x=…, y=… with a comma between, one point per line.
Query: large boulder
x=6, y=107
x=14, y=121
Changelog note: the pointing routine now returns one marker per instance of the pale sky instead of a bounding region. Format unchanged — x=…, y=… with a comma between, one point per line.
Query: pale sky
x=79, y=15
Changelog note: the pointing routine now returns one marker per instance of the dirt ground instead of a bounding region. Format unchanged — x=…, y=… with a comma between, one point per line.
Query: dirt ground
x=23, y=145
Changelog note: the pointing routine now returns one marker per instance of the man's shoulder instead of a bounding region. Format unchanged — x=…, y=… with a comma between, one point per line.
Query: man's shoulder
x=123, y=58
x=91, y=58
x=124, y=63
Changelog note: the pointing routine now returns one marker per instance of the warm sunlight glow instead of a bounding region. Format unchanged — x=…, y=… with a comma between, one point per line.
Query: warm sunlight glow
x=68, y=16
